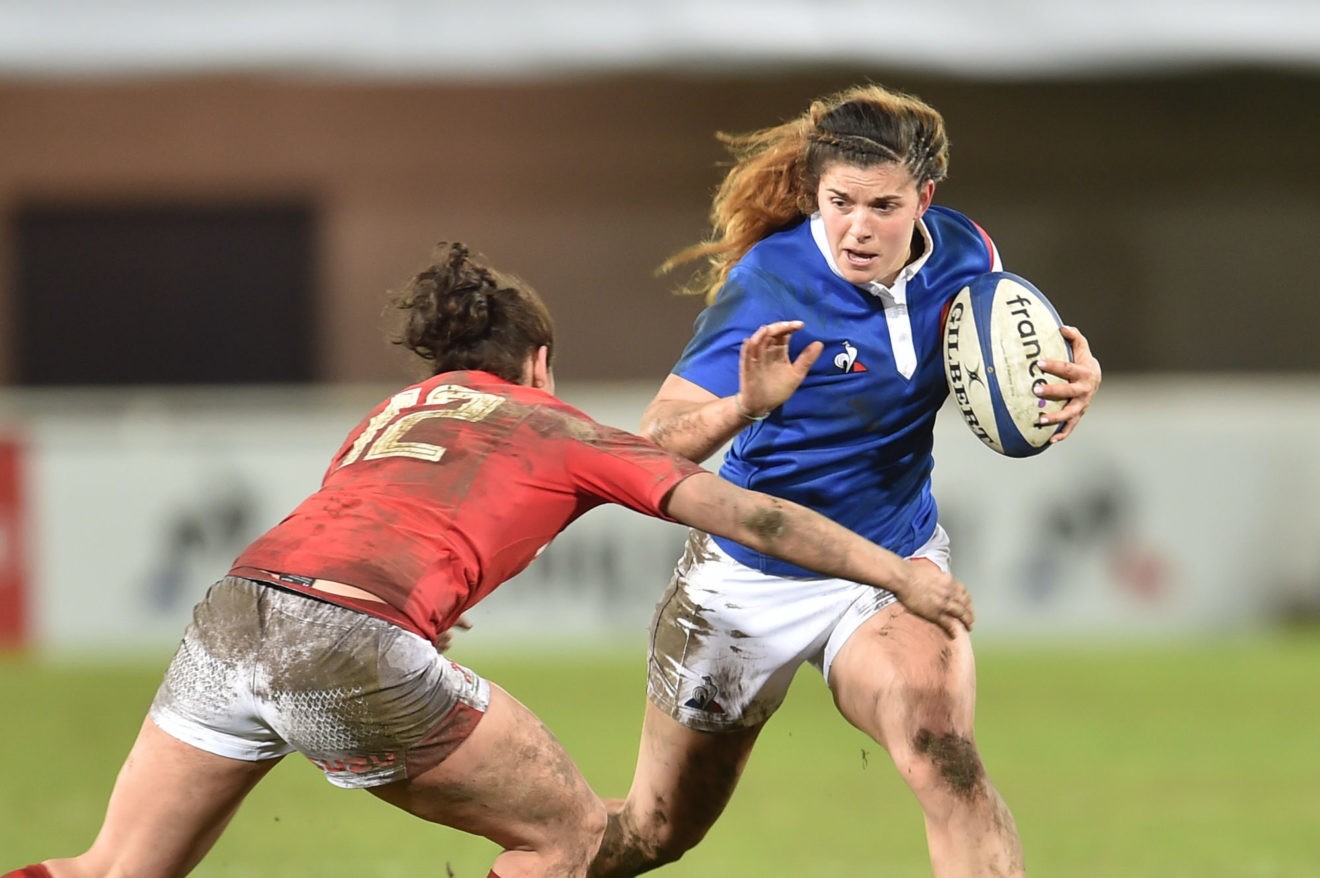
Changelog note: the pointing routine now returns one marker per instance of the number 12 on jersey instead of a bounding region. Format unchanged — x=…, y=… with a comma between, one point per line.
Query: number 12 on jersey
x=383, y=435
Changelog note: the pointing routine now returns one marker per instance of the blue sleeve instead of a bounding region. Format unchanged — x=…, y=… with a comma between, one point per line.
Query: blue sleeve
x=710, y=359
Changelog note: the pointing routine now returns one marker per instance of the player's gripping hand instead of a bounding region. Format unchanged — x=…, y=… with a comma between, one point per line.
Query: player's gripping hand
x=766, y=376
x=1082, y=375
x=937, y=597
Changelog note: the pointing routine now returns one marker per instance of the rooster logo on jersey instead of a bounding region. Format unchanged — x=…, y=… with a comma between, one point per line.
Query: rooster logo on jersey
x=847, y=361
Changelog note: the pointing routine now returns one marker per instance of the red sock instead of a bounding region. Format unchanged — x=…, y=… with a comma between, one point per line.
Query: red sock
x=35, y=871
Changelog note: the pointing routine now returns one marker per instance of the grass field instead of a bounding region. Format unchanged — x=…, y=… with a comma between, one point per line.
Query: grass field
x=1142, y=762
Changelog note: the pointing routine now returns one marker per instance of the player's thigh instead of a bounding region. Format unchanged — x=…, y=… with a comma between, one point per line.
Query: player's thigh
x=899, y=674
x=170, y=803
x=727, y=640
x=510, y=781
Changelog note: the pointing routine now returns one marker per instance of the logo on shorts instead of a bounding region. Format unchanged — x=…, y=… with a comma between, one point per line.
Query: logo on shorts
x=468, y=676
x=847, y=361
x=368, y=764
x=703, y=697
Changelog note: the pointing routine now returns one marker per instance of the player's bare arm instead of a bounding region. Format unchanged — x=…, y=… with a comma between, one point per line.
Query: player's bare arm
x=800, y=536
x=689, y=420
x=1083, y=375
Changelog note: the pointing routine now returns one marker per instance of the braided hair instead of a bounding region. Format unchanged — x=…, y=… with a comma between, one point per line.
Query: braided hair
x=459, y=313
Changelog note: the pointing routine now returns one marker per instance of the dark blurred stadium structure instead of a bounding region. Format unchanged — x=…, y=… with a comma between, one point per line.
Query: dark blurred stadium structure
x=1151, y=165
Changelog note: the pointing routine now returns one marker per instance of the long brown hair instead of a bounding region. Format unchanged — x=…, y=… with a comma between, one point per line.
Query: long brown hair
x=775, y=173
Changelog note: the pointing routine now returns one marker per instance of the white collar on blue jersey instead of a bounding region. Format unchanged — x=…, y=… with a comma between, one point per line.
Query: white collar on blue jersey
x=896, y=293
x=893, y=298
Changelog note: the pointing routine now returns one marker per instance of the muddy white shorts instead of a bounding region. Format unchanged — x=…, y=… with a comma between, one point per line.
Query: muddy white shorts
x=727, y=639
x=263, y=671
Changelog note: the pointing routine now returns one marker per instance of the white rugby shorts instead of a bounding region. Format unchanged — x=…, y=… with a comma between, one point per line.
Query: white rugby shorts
x=726, y=640
x=262, y=672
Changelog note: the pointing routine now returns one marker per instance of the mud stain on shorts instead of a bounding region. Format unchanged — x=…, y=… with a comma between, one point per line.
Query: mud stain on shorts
x=680, y=625
x=364, y=700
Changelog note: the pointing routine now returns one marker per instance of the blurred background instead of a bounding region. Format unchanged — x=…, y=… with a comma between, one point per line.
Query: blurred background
x=202, y=206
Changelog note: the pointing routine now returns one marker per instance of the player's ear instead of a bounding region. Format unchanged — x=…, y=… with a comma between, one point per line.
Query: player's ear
x=538, y=370
x=925, y=196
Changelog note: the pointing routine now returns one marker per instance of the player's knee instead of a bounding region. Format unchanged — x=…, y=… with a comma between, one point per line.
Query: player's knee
x=670, y=842
x=581, y=837
x=636, y=843
x=594, y=825
x=565, y=847
x=942, y=765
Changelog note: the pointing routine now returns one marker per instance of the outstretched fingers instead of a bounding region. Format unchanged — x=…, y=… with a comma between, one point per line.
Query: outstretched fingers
x=767, y=377
x=772, y=335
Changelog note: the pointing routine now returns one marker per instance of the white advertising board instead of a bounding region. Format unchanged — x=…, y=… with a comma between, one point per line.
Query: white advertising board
x=1177, y=508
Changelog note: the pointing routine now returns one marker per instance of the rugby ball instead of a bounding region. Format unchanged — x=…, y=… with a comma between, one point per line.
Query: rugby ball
x=996, y=329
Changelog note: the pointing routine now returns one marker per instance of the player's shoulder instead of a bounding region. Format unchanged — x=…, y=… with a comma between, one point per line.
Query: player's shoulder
x=779, y=252
x=778, y=268
x=583, y=447
x=953, y=223
x=959, y=238
x=552, y=418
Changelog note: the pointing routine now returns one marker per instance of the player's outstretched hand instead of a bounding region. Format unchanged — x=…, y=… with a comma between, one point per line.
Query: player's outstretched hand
x=937, y=597
x=1083, y=377
x=766, y=375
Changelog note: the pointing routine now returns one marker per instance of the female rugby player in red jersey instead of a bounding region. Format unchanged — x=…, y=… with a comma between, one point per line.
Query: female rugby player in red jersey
x=322, y=638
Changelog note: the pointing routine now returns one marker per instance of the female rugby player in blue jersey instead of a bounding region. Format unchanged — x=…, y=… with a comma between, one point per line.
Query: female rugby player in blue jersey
x=829, y=255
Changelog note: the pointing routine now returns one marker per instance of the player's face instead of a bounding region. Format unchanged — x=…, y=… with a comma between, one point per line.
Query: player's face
x=870, y=214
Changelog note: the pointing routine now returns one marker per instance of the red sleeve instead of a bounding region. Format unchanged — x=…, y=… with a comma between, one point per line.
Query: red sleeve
x=620, y=467
x=992, y=252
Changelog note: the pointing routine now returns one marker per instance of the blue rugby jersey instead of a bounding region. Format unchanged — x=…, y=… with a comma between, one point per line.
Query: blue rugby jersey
x=855, y=441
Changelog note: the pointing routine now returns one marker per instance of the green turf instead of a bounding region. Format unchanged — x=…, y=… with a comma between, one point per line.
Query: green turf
x=1186, y=760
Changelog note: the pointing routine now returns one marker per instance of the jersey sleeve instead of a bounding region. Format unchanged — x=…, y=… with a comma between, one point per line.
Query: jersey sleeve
x=710, y=359
x=615, y=466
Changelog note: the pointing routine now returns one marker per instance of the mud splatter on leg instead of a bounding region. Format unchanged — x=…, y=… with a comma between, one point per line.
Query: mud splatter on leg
x=955, y=758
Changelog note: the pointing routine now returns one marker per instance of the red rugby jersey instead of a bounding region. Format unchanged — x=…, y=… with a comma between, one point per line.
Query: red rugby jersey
x=452, y=486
